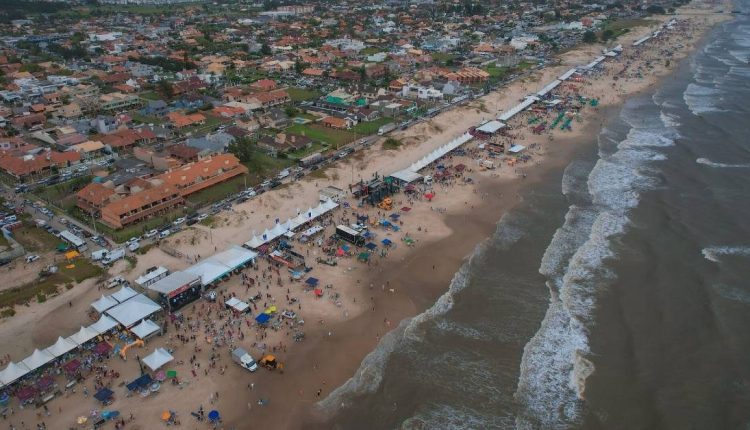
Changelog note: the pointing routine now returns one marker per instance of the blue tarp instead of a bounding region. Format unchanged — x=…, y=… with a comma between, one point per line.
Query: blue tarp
x=386, y=242
x=263, y=318
x=143, y=381
x=108, y=415
x=395, y=216
x=385, y=222
x=345, y=248
x=312, y=281
x=367, y=235
x=371, y=246
x=103, y=395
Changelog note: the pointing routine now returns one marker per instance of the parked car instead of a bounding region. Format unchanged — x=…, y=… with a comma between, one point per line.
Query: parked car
x=201, y=217
x=179, y=221
x=151, y=233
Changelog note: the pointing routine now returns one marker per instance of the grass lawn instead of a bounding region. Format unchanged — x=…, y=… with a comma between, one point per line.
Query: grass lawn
x=302, y=153
x=63, y=195
x=371, y=127
x=35, y=239
x=302, y=94
x=3, y=241
x=263, y=165
x=333, y=137
x=370, y=50
x=150, y=95
x=497, y=73
x=619, y=25
x=210, y=123
x=219, y=191
x=442, y=57
x=44, y=286
x=145, y=119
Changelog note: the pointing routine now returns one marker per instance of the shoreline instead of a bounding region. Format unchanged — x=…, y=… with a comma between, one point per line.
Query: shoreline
x=326, y=361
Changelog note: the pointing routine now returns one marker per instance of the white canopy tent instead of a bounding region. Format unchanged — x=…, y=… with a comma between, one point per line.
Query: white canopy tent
x=255, y=242
x=406, y=176
x=491, y=127
x=145, y=329
x=515, y=110
x=61, y=347
x=13, y=372
x=37, y=359
x=157, y=359
x=594, y=63
x=281, y=229
x=549, y=87
x=104, y=325
x=104, y=303
x=234, y=257
x=565, y=76
x=237, y=304
x=209, y=271
x=124, y=294
x=312, y=230
x=134, y=310
x=84, y=335
x=440, y=152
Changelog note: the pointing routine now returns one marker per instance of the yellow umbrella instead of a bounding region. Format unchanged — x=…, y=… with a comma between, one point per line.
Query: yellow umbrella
x=71, y=255
x=270, y=310
x=82, y=420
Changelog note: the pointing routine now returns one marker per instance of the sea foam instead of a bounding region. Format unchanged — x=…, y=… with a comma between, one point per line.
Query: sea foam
x=709, y=163
x=714, y=253
x=556, y=362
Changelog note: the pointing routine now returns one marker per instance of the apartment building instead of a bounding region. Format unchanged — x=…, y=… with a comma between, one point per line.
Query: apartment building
x=142, y=205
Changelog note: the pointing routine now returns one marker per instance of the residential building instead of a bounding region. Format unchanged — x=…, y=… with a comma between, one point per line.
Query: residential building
x=204, y=173
x=142, y=205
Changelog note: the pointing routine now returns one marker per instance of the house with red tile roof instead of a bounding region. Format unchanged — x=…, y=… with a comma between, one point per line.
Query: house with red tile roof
x=93, y=197
x=197, y=176
x=154, y=201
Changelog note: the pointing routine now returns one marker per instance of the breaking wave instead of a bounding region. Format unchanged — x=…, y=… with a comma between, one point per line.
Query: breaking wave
x=556, y=361
x=709, y=163
x=701, y=99
x=451, y=417
x=369, y=375
x=714, y=253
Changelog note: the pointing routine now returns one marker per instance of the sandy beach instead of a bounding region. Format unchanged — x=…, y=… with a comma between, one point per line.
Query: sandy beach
x=361, y=302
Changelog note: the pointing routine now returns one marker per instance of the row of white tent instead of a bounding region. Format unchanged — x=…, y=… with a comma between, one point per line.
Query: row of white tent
x=40, y=357
x=667, y=25
x=280, y=229
x=220, y=264
x=133, y=308
x=410, y=173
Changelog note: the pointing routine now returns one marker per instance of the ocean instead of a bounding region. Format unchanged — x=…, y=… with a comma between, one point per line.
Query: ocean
x=614, y=296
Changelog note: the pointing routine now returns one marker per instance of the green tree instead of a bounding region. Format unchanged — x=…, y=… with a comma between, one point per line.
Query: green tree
x=165, y=88
x=656, y=10
x=243, y=149
x=589, y=37
x=265, y=49
x=607, y=34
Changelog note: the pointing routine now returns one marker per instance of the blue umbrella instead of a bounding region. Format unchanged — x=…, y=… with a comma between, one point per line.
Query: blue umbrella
x=213, y=415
